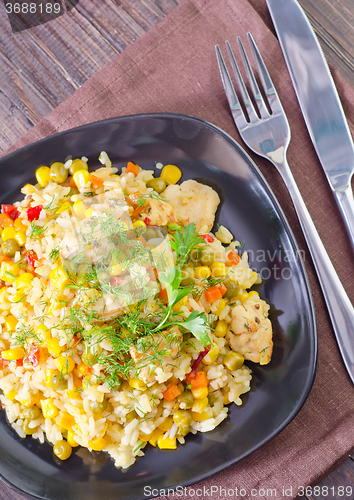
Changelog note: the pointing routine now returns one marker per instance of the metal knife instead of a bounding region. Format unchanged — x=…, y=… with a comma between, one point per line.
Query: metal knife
x=319, y=101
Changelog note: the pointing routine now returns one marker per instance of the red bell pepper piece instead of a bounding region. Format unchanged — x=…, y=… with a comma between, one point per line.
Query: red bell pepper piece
x=34, y=212
x=33, y=355
x=207, y=238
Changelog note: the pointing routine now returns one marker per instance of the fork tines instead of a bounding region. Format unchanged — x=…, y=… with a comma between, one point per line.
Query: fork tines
x=268, y=87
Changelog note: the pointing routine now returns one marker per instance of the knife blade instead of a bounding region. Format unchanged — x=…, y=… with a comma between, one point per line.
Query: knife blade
x=319, y=101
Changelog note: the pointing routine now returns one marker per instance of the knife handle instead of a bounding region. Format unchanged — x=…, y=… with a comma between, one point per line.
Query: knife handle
x=345, y=203
x=340, y=309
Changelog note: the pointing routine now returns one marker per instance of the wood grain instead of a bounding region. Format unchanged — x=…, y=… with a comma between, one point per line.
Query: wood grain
x=44, y=65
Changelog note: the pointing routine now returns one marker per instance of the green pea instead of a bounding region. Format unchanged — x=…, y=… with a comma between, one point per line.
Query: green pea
x=73, y=191
x=10, y=247
x=32, y=413
x=62, y=449
x=58, y=173
x=187, y=276
x=26, y=429
x=130, y=417
x=233, y=360
x=182, y=418
x=212, y=399
x=98, y=407
x=232, y=290
x=157, y=184
x=183, y=431
x=207, y=256
x=58, y=382
x=187, y=398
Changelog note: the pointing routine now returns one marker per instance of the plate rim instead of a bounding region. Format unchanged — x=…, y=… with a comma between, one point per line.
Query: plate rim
x=252, y=164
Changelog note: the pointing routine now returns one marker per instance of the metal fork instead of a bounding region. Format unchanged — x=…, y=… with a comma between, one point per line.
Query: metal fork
x=268, y=135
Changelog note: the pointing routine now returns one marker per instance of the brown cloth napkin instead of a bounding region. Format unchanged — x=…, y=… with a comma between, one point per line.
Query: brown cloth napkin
x=173, y=69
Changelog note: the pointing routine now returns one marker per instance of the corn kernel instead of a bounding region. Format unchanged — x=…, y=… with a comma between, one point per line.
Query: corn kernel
x=59, y=278
x=48, y=377
x=114, y=269
x=65, y=420
x=199, y=405
x=243, y=297
x=81, y=179
x=65, y=364
x=83, y=369
x=65, y=206
x=218, y=269
x=154, y=436
x=28, y=189
x=54, y=348
x=166, y=443
x=17, y=297
x=136, y=383
x=202, y=272
x=8, y=233
x=24, y=281
x=212, y=355
x=11, y=322
x=171, y=174
x=13, y=354
x=253, y=294
x=97, y=444
x=71, y=439
x=49, y=409
x=177, y=307
x=43, y=333
x=200, y=393
x=11, y=395
x=19, y=226
x=79, y=209
x=89, y=213
x=43, y=175
x=166, y=424
x=73, y=394
x=9, y=272
x=221, y=328
x=205, y=415
x=221, y=307
x=28, y=402
x=54, y=306
x=139, y=226
x=20, y=237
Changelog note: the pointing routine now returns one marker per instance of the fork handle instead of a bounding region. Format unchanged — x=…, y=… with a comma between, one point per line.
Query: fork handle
x=340, y=309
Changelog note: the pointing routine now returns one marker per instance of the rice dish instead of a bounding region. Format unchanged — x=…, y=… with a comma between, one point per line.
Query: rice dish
x=124, y=322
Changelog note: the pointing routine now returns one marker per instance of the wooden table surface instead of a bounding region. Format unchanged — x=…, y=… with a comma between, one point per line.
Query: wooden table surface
x=43, y=66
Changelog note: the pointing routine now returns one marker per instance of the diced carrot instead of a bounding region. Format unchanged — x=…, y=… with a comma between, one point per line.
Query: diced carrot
x=6, y=221
x=131, y=167
x=137, y=211
x=96, y=181
x=163, y=295
x=72, y=183
x=200, y=380
x=222, y=288
x=233, y=258
x=3, y=258
x=212, y=294
x=171, y=392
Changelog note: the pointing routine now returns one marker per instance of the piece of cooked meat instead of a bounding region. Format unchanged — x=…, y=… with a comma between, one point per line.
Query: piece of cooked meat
x=160, y=213
x=193, y=202
x=251, y=333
